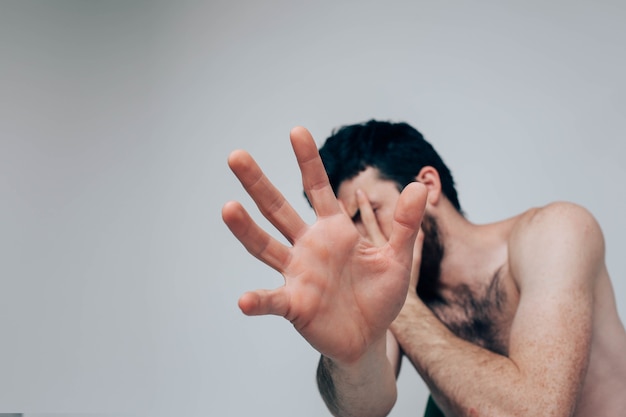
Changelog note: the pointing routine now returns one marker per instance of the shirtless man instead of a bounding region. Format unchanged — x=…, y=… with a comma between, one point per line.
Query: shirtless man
x=515, y=318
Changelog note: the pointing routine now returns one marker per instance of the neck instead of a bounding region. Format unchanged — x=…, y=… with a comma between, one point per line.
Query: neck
x=471, y=252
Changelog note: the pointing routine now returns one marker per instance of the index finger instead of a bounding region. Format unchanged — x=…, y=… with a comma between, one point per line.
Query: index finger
x=314, y=177
x=268, y=198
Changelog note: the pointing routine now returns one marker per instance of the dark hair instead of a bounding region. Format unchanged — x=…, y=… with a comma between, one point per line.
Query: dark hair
x=398, y=150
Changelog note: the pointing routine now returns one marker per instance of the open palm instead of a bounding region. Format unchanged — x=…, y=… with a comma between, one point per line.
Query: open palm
x=341, y=292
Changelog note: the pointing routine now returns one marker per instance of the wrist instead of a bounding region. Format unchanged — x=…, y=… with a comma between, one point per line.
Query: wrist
x=413, y=308
x=376, y=350
x=412, y=302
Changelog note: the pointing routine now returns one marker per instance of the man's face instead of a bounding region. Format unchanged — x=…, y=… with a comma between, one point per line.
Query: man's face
x=383, y=196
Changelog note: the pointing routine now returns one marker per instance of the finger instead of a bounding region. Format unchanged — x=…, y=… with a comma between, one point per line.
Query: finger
x=260, y=302
x=258, y=242
x=407, y=218
x=314, y=177
x=270, y=201
x=368, y=217
x=343, y=208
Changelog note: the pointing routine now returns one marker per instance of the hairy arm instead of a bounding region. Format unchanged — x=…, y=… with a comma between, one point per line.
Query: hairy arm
x=554, y=256
x=364, y=388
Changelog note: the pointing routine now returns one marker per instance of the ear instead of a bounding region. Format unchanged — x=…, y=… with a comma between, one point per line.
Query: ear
x=430, y=178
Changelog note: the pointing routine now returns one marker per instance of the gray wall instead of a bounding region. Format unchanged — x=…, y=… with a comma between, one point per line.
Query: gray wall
x=118, y=280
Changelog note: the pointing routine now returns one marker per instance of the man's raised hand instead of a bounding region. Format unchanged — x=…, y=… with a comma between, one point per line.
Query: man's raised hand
x=341, y=292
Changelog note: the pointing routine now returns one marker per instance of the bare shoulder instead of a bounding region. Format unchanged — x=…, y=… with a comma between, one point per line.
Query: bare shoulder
x=558, y=220
x=558, y=232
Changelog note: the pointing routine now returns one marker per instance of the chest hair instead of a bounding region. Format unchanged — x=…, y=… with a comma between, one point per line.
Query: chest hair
x=476, y=314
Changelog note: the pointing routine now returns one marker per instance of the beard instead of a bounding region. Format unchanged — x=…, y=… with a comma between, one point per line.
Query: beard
x=430, y=266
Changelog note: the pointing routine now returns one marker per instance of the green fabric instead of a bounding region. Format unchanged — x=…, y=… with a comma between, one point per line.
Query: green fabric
x=431, y=409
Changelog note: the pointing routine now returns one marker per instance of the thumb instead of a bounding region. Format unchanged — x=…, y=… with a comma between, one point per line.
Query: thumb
x=262, y=302
x=417, y=260
x=407, y=219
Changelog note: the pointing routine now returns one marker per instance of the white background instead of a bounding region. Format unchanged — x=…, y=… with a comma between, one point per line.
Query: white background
x=119, y=281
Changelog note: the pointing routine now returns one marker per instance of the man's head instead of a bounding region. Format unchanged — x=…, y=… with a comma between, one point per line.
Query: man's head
x=397, y=150
x=381, y=158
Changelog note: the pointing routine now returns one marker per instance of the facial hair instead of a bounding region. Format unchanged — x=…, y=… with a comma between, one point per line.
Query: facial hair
x=430, y=266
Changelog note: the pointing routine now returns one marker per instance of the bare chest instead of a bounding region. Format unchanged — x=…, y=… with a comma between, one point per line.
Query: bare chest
x=481, y=313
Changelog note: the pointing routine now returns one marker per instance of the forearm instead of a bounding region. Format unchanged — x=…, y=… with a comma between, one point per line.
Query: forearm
x=465, y=379
x=364, y=388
